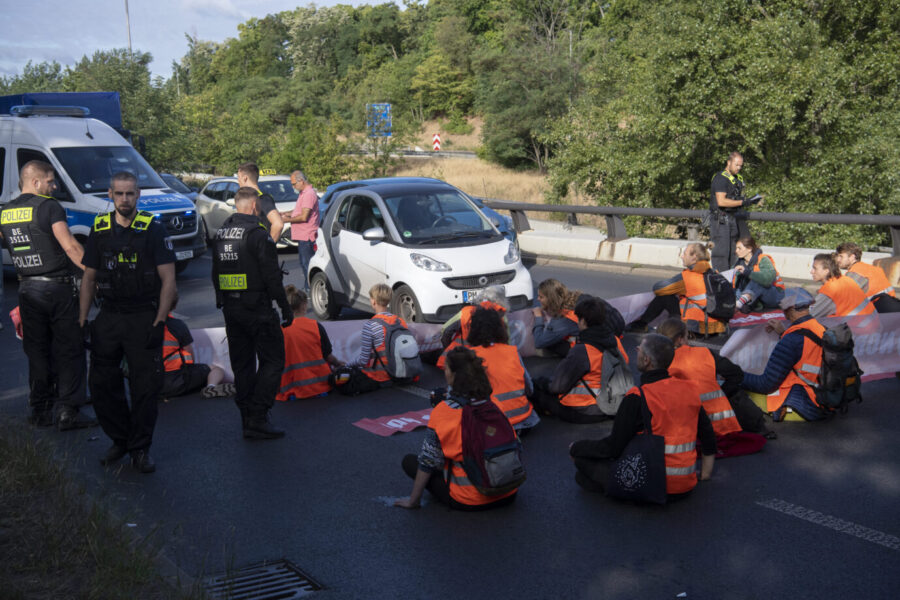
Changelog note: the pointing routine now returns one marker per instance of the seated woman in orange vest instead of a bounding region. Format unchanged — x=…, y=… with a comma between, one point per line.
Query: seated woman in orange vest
x=683, y=294
x=307, y=353
x=570, y=394
x=182, y=375
x=441, y=451
x=456, y=330
x=871, y=279
x=675, y=414
x=839, y=296
x=793, y=367
x=729, y=407
x=756, y=282
x=510, y=382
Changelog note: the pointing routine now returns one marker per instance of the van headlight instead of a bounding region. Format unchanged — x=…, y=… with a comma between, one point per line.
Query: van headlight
x=428, y=263
x=512, y=255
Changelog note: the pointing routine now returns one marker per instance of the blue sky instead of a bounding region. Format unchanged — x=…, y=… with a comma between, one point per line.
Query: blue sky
x=66, y=30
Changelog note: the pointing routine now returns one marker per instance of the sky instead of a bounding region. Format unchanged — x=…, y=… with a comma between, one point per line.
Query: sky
x=66, y=30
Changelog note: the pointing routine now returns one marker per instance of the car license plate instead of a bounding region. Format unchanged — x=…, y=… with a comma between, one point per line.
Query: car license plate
x=184, y=255
x=468, y=296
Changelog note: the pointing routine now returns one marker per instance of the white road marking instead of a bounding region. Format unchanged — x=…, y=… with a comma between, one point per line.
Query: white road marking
x=813, y=516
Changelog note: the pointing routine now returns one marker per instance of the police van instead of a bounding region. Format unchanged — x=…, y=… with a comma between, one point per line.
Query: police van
x=85, y=153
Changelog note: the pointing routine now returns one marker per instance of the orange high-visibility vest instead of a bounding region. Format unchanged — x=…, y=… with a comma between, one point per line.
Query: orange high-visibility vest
x=675, y=407
x=848, y=298
x=878, y=281
x=805, y=371
x=693, y=305
x=465, y=325
x=377, y=367
x=776, y=283
x=580, y=395
x=447, y=424
x=698, y=365
x=570, y=315
x=174, y=356
x=305, y=370
x=507, y=376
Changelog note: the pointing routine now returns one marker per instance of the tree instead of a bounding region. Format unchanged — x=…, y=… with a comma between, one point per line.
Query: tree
x=316, y=146
x=40, y=77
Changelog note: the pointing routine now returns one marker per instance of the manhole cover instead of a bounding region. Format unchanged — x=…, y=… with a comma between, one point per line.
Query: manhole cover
x=268, y=580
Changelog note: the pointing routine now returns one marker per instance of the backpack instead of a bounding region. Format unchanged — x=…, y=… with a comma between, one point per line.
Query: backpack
x=403, y=361
x=720, y=298
x=840, y=378
x=615, y=381
x=491, y=450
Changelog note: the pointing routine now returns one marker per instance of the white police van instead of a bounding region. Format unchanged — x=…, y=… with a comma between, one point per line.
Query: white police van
x=85, y=153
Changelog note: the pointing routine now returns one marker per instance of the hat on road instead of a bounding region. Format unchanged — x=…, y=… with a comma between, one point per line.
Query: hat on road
x=796, y=298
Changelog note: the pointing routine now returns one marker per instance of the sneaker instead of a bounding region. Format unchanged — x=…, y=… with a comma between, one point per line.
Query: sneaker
x=142, y=462
x=220, y=390
x=69, y=418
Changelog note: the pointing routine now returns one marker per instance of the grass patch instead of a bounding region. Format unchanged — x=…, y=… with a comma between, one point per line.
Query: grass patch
x=57, y=543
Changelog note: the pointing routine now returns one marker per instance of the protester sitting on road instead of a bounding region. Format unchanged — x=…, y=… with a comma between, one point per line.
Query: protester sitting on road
x=683, y=294
x=793, y=367
x=675, y=413
x=570, y=394
x=456, y=330
x=839, y=296
x=871, y=279
x=510, y=382
x=307, y=353
x=368, y=371
x=729, y=407
x=757, y=283
x=183, y=375
x=555, y=324
x=441, y=451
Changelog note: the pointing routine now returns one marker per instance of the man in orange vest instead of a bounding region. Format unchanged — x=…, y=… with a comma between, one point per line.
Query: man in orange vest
x=793, y=367
x=869, y=278
x=182, y=375
x=676, y=414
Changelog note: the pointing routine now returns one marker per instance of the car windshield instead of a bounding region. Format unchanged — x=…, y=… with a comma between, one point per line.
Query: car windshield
x=433, y=217
x=280, y=189
x=176, y=184
x=91, y=167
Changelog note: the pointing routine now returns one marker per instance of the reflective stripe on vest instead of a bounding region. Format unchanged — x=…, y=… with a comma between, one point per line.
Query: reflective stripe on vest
x=805, y=372
x=506, y=375
x=675, y=407
x=307, y=373
x=878, y=282
x=697, y=364
x=580, y=395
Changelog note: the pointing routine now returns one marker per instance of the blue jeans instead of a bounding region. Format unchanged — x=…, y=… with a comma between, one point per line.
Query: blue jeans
x=305, y=250
x=769, y=296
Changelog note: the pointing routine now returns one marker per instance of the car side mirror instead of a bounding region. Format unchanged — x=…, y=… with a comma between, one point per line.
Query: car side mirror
x=373, y=234
x=230, y=202
x=495, y=222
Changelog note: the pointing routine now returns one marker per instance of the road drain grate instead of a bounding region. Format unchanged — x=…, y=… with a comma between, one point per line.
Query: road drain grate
x=268, y=580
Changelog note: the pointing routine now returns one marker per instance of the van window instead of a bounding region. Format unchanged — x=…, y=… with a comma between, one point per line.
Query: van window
x=91, y=167
x=26, y=155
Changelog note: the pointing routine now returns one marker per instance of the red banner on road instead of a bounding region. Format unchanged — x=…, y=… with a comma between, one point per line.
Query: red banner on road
x=387, y=426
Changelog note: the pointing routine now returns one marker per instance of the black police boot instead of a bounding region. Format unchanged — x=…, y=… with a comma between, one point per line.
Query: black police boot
x=258, y=427
x=141, y=461
x=113, y=455
x=69, y=418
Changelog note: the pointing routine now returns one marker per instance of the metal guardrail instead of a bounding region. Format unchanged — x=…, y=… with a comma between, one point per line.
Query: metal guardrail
x=615, y=226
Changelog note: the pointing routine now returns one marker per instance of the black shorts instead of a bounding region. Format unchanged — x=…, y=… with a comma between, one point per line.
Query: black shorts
x=189, y=378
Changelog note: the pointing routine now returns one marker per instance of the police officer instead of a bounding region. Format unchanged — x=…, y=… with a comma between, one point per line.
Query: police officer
x=266, y=210
x=43, y=251
x=247, y=279
x=727, y=222
x=130, y=263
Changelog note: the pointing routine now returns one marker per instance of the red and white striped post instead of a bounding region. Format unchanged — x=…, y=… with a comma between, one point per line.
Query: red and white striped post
x=436, y=142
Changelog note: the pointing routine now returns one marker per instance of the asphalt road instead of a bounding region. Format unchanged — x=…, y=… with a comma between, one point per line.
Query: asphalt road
x=815, y=515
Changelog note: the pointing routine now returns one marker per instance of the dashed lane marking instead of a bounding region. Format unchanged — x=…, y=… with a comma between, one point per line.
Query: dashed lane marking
x=814, y=516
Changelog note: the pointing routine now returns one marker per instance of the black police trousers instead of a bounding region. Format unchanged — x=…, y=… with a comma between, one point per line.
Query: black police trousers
x=115, y=335
x=725, y=229
x=53, y=343
x=254, y=334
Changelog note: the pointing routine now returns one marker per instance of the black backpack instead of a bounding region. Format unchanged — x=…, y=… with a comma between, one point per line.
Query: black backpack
x=720, y=297
x=840, y=378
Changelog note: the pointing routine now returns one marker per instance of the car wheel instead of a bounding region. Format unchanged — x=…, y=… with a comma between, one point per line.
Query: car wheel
x=322, y=298
x=405, y=305
x=205, y=231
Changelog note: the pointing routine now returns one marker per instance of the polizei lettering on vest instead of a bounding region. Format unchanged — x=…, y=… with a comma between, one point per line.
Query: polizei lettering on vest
x=29, y=260
x=231, y=233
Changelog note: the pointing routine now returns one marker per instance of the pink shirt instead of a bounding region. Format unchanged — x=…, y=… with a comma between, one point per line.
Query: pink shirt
x=306, y=232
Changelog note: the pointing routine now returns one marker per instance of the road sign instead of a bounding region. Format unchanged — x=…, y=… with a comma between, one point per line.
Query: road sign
x=378, y=119
x=436, y=142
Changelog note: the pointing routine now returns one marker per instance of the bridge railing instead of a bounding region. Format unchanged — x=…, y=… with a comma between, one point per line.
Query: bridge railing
x=615, y=226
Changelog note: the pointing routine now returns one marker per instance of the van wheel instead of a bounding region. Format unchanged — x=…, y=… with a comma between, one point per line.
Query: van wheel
x=322, y=298
x=405, y=305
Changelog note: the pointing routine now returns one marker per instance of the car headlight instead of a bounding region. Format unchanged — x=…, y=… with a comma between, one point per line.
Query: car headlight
x=428, y=263
x=512, y=255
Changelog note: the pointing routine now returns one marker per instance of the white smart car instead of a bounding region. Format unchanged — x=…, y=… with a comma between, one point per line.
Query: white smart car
x=427, y=240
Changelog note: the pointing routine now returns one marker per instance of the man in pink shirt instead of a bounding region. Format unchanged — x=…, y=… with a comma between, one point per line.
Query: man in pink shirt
x=304, y=220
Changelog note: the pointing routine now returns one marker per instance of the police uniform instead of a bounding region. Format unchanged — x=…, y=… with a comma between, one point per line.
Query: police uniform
x=128, y=285
x=48, y=304
x=247, y=279
x=726, y=225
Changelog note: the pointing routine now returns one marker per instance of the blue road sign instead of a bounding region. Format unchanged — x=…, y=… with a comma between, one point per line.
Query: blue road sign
x=378, y=119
